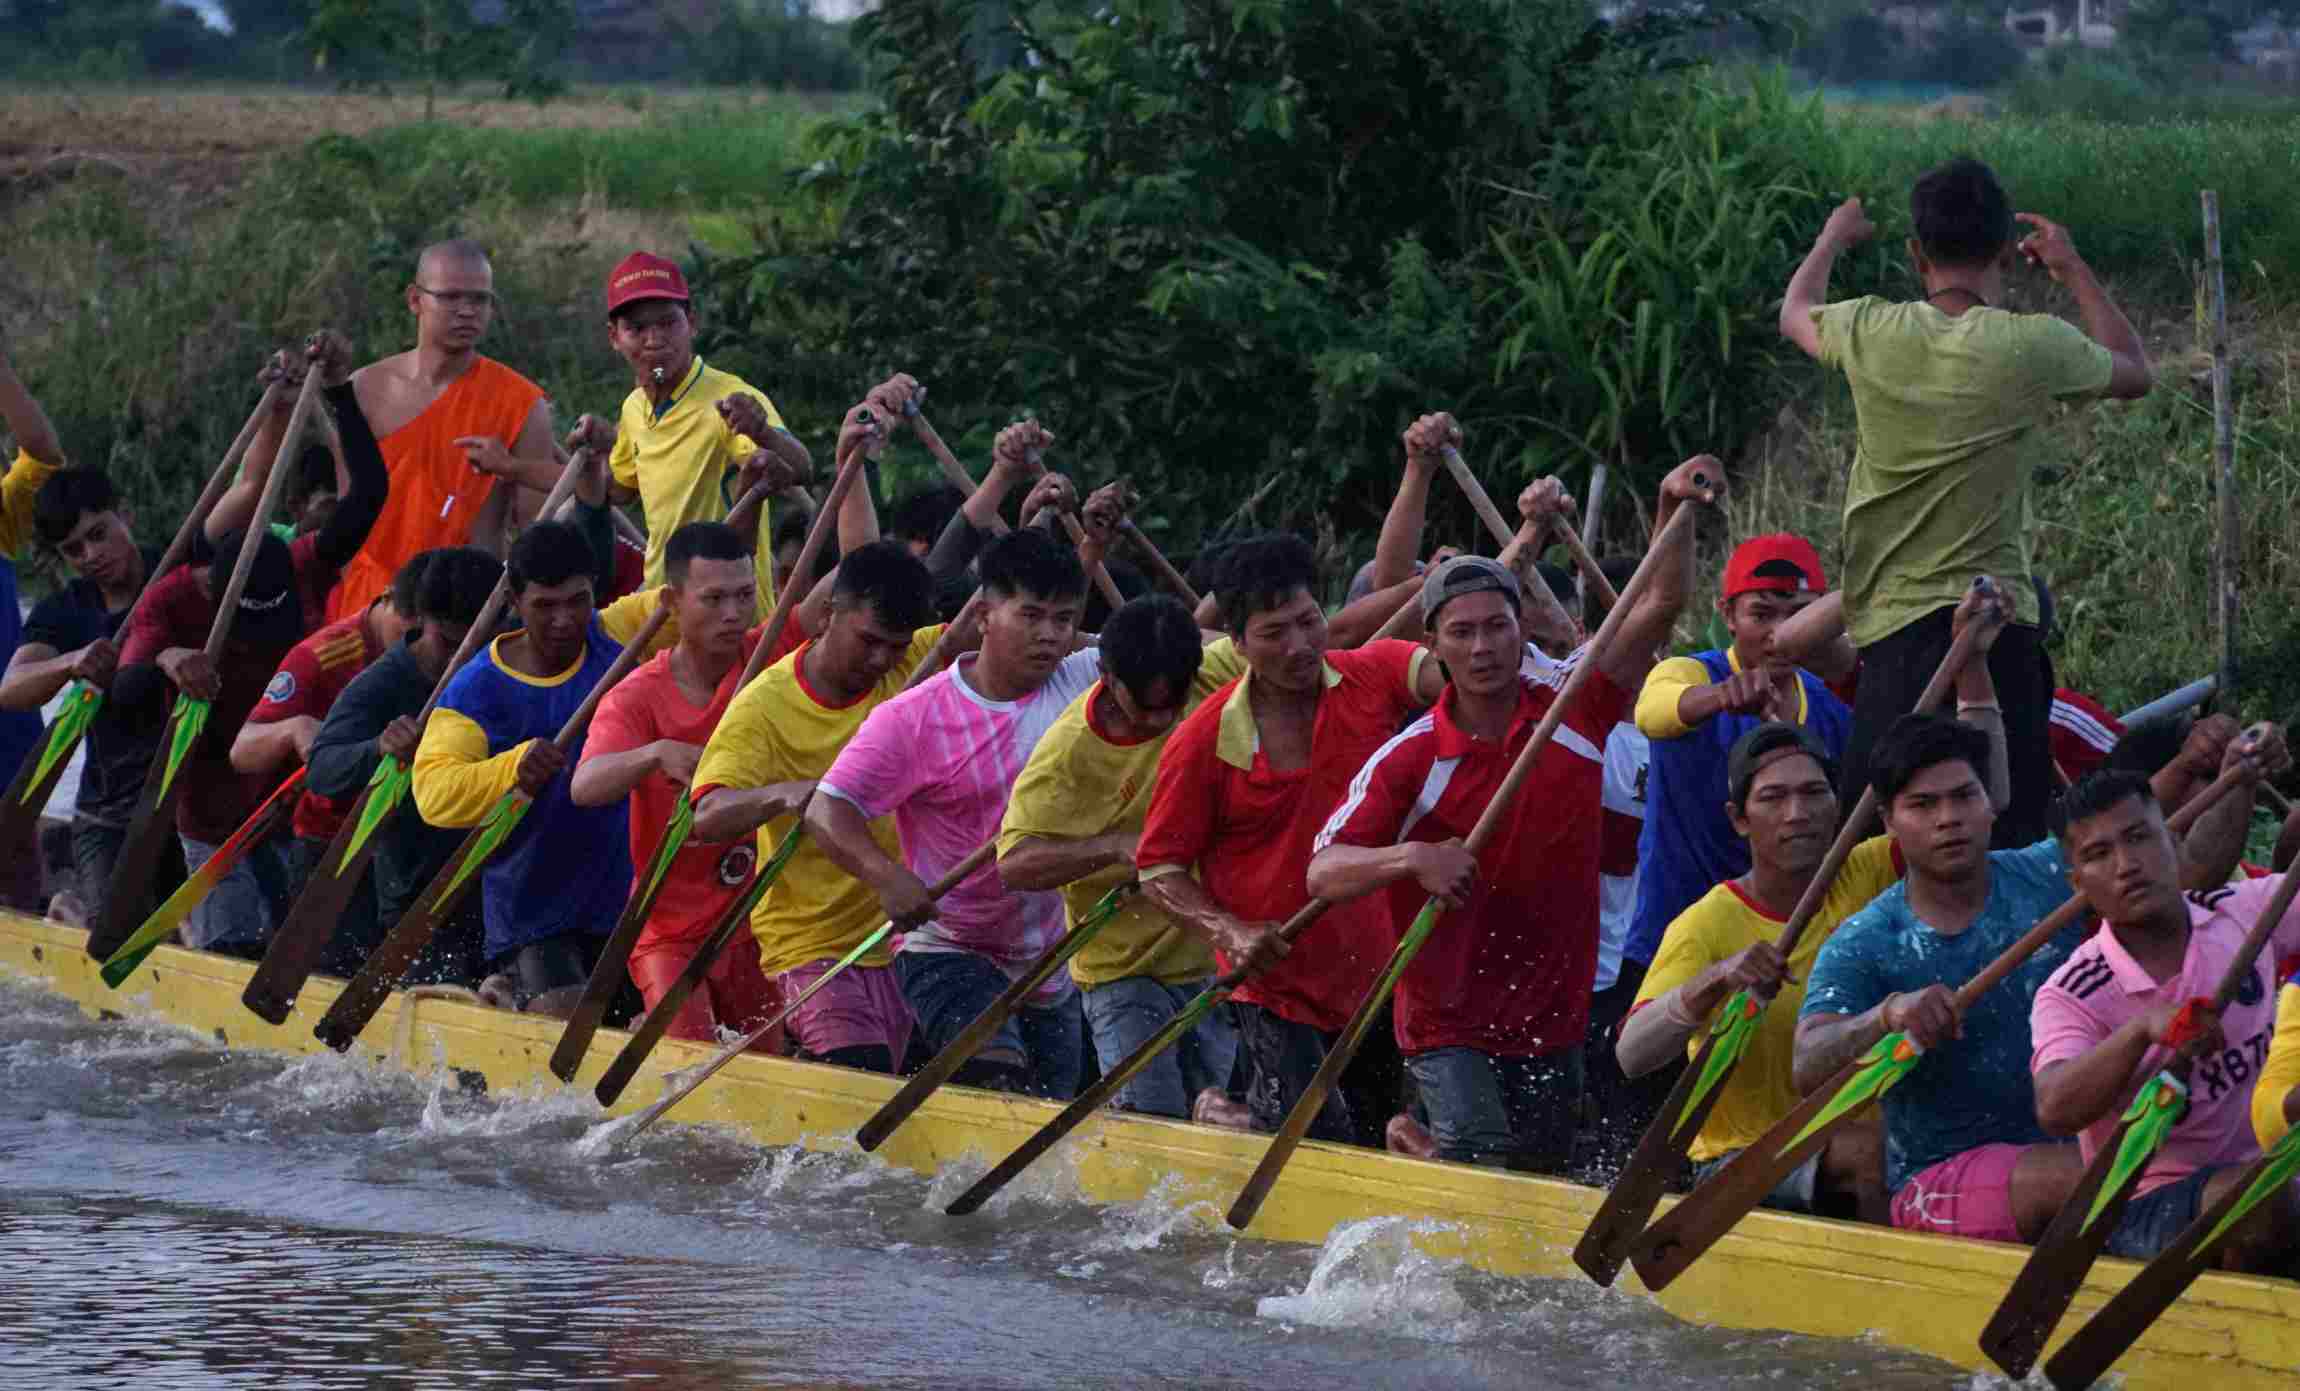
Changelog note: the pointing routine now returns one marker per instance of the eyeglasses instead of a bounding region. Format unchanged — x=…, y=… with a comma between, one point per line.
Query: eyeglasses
x=460, y=299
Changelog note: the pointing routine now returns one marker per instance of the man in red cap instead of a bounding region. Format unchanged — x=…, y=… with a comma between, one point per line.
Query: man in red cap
x=1694, y=708
x=691, y=439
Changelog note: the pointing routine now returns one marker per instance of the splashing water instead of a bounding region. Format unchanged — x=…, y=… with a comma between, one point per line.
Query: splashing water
x=1370, y=1274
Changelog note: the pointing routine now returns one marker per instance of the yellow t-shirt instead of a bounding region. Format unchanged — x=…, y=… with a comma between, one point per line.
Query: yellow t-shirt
x=679, y=461
x=1722, y=923
x=1940, y=484
x=1080, y=784
x=2280, y=1073
x=777, y=729
x=1667, y=683
x=18, y=488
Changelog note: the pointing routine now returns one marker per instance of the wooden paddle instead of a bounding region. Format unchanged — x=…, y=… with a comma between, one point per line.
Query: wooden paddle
x=1592, y=574
x=960, y=479
x=2048, y=1282
x=1096, y=1096
x=1489, y=824
x=2094, y=1348
x=607, y=974
x=1688, y=1230
x=310, y=925
x=955, y=1054
x=736, y=918
x=1504, y=535
x=1604, y=1245
x=342, y=1024
x=974, y=861
x=154, y=819
x=36, y=778
x=269, y=816
x=1172, y=577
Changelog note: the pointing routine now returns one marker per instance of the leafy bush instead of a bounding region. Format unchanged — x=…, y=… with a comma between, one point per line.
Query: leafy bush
x=1167, y=220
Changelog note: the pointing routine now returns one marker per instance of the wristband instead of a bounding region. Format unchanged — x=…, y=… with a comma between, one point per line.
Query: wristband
x=1968, y=706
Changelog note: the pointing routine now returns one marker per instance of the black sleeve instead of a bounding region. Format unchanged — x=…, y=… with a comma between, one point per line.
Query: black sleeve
x=57, y=622
x=356, y=511
x=343, y=753
x=956, y=548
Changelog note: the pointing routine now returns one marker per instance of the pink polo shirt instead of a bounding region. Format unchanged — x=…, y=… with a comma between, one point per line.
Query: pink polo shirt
x=2100, y=987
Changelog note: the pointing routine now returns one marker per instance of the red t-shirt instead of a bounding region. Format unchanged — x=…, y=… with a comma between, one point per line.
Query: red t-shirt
x=176, y=613
x=1219, y=808
x=703, y=878
x=309, y=678
x=1510, y=974
x=630, y=569
x=2083, y=732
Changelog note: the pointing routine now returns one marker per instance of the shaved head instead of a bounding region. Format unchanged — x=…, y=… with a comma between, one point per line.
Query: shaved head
x=462, y=254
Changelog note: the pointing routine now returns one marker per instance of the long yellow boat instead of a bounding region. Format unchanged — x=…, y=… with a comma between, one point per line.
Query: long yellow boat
x=1796, y=1274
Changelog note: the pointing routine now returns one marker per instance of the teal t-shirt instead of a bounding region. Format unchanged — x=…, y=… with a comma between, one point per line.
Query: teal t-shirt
x=1976, y=1090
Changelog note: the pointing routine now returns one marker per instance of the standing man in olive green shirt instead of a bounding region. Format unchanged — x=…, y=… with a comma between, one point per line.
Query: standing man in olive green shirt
x=1949, y=391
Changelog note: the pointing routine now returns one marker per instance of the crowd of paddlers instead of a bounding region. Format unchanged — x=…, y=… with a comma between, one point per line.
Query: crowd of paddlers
x=1859, y=913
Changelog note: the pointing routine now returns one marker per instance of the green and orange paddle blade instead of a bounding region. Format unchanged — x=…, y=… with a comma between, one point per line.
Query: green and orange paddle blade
x=387, y=789
x=1734, y=1027
x=65, y=732
x=502, y=819
x=194, y=890
x=1888, y=1060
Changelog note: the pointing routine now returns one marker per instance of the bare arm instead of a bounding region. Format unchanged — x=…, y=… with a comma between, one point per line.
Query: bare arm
x=1808, y=288
x=1815, y=638
x=1356, y=624
x=1645, y=628
x=35, y=673
x=27, y=423
x=2049, y=246
x=604, y=779
x=266, y=748
x=2075, y=1092
x=1400, y=542
x=839, y=828
x=1047, y=862
x=729, y=813
x=1827, y=1042
x=1340, y=873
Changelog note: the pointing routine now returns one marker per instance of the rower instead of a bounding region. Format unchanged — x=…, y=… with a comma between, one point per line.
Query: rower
x=1074, y=821
x=73, y=635
x=277, y=736
x=552, y=892
x=2100, y=1022
x=1242, y=789
x=39, y=454
x=454, y=424
x=1964, y=1152
x=691, y=439
x=650, y=733
x=1949, y=391
x=283, y=600
x=1492, y=1015
x=374, y=717
x=941, y=760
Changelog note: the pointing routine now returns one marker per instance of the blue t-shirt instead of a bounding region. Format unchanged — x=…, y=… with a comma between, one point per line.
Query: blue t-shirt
x=1687, y=846
x=567, y=869
x=1975, y=1090
x=19, y=729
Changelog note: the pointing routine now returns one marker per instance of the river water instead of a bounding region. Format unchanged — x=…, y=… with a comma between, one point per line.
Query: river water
x=175, y=1214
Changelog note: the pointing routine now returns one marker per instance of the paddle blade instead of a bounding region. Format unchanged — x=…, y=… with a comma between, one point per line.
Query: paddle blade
x=186, y=723
x=1087, y=1103
x=1660, y=1155
x=1888, y=1060
x=502, y=820
x=1734, y=1027
x=674, y=840
x=2147, y=1121
x=64, y=734
x=170, y=915
x=2277, y=1167
x=387, y=787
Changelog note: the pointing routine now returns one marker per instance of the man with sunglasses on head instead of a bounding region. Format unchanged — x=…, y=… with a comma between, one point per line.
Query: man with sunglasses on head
x=453, y=425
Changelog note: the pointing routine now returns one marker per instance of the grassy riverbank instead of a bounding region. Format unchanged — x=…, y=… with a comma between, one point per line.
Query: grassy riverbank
x=163, y=239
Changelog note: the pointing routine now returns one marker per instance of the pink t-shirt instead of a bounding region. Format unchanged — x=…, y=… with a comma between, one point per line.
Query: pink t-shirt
x=2100, y=987
x=941, y=760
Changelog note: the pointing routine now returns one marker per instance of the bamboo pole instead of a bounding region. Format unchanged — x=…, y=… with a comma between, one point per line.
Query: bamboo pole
x=2226, y=561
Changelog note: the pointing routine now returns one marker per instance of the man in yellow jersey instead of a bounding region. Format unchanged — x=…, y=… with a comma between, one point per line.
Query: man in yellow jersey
x=1072, y=823
x=691, y=439
x=779, y=735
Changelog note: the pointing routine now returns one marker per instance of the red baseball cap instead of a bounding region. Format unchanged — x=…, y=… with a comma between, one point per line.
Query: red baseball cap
x=1783, y=563
x=644, y=275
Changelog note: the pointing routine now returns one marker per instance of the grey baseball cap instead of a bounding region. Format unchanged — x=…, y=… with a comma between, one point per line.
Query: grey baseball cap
x=1766, y=744
x=1465, y=574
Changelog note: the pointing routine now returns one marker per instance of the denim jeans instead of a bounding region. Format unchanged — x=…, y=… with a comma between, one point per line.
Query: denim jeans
x=241, y=912
x=1517, y=1113
x=1122, y=1015
x=947, y=990
x=1282, y=1056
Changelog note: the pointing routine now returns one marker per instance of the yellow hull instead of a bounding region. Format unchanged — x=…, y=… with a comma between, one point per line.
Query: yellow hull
x=1802, y=1275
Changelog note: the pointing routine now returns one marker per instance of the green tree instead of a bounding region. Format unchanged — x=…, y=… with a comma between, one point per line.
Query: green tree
x=1225, y=244
x=441, y=42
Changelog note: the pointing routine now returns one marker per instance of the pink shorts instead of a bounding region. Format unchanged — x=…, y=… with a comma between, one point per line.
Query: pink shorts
x=735, y=995
x=860, y=1007
x=1966, y=1195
